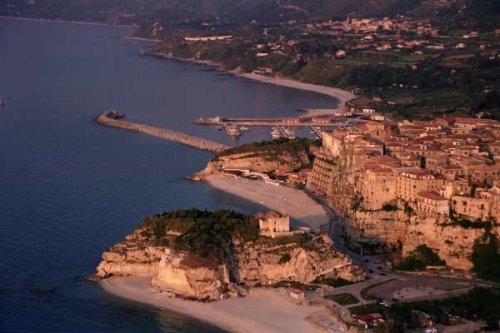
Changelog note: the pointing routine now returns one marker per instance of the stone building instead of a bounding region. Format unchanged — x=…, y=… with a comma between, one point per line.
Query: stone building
x=274, y=225
x=320, y=179
x=432, y=203
x=481, y=206
x=377, y=186
x=414, y=181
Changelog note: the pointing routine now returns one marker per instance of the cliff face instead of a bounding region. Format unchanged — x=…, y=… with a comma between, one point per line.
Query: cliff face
x=263, y=161
x=265, y=261
x=396, y=230
x=263, y=264
x=381, y=231
x=281, y=155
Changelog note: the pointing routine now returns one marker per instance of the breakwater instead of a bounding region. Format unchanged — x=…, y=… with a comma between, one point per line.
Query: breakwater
x=107, y=119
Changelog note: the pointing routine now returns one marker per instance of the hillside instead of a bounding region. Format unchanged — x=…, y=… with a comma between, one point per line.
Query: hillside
x=177, y=11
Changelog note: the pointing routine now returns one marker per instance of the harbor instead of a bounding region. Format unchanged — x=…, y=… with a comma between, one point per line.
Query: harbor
x=279, y=127
x=116, y=119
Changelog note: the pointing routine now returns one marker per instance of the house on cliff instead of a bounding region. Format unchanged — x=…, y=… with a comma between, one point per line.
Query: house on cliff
x=273, y=224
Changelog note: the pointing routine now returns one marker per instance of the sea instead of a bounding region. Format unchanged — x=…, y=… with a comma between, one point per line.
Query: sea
x=70, y=188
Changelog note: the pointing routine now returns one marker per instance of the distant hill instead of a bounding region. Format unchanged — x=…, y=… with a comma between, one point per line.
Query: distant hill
x=168, y=11
x=237, y=11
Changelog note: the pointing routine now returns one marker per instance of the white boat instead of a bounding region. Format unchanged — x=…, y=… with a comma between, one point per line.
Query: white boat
x=275, y=133
x=290, y=133
x=233, y=130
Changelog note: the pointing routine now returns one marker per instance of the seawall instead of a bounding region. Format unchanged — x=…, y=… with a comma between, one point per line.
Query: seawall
x=163, y=133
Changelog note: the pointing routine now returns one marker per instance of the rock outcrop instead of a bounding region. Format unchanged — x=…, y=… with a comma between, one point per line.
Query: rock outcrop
x=262, y=261
x=263, y=161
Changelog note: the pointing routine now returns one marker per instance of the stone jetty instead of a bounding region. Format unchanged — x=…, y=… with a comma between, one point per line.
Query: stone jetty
x=107, y=119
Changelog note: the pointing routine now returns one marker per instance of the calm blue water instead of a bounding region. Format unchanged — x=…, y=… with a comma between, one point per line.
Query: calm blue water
x=70, y=188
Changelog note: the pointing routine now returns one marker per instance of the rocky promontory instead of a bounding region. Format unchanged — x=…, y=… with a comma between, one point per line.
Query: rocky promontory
x=207, y=256
x=271, y=157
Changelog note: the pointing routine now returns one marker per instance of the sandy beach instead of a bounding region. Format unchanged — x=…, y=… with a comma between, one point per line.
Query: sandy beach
x=302, y=209
x=263, y=310
x=341, y=95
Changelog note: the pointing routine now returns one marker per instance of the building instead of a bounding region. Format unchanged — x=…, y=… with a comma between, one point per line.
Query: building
x=432, y=203
x=320, y=179
x=370, y=319
x=413, y=181
x=377, y=186
x=274, y=225
x=207, y=38
x=483, y=205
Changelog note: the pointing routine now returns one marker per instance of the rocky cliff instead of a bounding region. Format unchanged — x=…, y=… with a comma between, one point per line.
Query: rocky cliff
x=267, y=156
x=157, y=249
x=401, y=230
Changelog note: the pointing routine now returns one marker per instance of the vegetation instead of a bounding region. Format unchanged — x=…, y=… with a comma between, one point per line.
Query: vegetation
x=468, y=224
x=419, y=259
x=285, y=258
x=272, y=146
x=206, y=235
x=343, y=299
x=357, y=202
x=486, y=257
x=334, y=282
x=477, y=304
x=389, y=207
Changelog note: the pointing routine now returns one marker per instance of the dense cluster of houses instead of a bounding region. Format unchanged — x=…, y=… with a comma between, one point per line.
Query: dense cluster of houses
x=448, y=166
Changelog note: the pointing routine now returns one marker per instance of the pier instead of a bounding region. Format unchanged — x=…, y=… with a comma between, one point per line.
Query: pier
x=108, y=119
x=318, y=133
x=286, y=122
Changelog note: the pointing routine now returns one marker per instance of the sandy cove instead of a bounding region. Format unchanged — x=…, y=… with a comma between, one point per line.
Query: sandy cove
x=263, y=310
x=342, y=96
x=303, y=210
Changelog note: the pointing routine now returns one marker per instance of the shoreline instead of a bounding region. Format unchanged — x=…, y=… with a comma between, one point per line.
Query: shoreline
x=34, y=19
x=142, y=39
x=342, y=96
x=265, y=310
x=303, y=211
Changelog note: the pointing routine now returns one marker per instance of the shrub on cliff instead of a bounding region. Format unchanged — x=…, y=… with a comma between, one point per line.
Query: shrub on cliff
x=420, y=258
x=285, y=258
x=486, y=258
x=205, y=235
x=389, y=207
x=271, y=146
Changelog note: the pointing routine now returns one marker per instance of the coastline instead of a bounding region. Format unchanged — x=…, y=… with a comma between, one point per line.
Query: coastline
x=34, y=19
x=142, y=39
x=342, y=96
x=303, y=210
x=263, y=310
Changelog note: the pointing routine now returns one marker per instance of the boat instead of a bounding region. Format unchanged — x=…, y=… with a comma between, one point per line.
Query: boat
x=275, y=133
x=233, y=130
x=244, y=129
x=2, y=102
x=114, y=114
x=290, y=133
